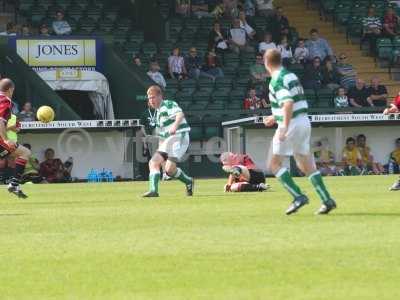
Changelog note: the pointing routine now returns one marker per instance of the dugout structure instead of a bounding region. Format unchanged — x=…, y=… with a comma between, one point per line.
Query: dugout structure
x=249, y=135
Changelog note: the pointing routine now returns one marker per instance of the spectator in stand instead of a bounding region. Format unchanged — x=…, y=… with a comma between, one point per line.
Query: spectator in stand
x=176, y=65
x=27, y=113
x=313, y=75
x=26, y=30
x=317, y=46
x=377, y=94
x=393, y=166
x=346, y=72
x=351, y=158
x=193, y=63
x=258, y=73
x=155, y=75
x=61, y=26
x=182, y=7
x=267, y=43
x=138, y=63
x=367, y=159
x=390, y=23
x=231, y=9
x=265, y=8
x=341, y=100
x=238, y=38
x=44, y=30
x=216, y=40
x=249, y=8
x=11, y=30
x=301, y=52
x=212, y=65
x=243, y=24
x=52, y=169
x=282, y=23
x=358, y=95
x=372, y=29
x=330, y=77
x=31, y=173
x=253, y=102
x=200, y=8
x=394, y=107
x=286, y=51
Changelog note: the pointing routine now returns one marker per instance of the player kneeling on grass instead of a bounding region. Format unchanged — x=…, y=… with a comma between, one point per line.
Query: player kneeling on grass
x=7, y=147
x=394, y=109
x=173, y=131
x=244, y=176
x=292, y=137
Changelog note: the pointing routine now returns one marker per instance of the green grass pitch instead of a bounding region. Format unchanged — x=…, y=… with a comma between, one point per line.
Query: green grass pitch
x=102, y=241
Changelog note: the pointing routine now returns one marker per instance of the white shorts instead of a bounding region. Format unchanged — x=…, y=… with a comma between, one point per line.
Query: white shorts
x=297, y=140
x=175, y=146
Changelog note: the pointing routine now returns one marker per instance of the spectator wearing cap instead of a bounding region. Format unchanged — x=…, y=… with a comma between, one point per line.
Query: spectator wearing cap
x=377, y=93
x=44, y=30
x=317, y=46
x=155, y=75
x=358, y=95
x=61, y=26
x=11, y=30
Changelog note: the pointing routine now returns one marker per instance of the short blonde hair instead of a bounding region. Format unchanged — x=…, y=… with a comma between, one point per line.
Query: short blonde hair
x=273, y=57
x=155, y=89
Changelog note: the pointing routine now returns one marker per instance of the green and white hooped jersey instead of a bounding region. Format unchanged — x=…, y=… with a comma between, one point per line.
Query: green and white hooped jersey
x=166, y=117
x=285, y=86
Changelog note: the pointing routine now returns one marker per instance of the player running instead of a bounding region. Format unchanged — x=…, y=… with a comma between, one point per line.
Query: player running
x=244, y=175
x=292, y=137
x=8, y=147
x=173, y=131
x=394, y=109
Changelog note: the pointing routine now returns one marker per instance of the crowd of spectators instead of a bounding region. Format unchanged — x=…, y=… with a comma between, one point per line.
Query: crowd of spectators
x=59, y=26
x=356, y=158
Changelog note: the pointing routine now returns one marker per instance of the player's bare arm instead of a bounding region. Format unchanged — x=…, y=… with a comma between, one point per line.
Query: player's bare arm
x=287, y=117
x=178, y=119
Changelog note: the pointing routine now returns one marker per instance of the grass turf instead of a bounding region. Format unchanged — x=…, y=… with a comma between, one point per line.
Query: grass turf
x=102, y=241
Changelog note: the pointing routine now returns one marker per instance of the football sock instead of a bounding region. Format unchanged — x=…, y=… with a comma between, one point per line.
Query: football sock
x=319, y=186
x=154, y=179
x=181, y=176
x=19, y=169
x=287, y=181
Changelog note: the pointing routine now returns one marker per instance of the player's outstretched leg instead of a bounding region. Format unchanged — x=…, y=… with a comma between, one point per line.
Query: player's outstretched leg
x=182, y=177
x=395, y=186
x=300, y=199
x=14, y=187
x=327, y=202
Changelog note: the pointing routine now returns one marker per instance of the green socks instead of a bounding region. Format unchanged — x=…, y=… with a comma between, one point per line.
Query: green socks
x=181, y=176
x=287, y=181
x=318, y=183
x=154, y=179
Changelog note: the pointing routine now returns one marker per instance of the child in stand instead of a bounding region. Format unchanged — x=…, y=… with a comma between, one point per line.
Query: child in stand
x=341, y=99
x=301, y=52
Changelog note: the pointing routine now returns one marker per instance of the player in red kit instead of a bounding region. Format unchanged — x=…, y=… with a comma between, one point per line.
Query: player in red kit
x=243, y=173
x=8, y=147
x=394, y=109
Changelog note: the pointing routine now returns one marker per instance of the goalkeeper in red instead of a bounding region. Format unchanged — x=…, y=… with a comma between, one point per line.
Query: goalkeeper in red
x=8, y=147
x=292, y=137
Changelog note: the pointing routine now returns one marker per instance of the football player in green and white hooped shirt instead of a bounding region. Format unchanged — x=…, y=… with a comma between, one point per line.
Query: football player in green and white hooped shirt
x=289, y=109
x=173, y=131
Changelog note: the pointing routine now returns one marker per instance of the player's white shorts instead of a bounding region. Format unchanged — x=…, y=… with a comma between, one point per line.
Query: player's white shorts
x=297, y=140
x=175, y=146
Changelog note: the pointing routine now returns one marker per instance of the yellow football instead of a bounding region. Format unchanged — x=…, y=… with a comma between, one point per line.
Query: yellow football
x=45, y=114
